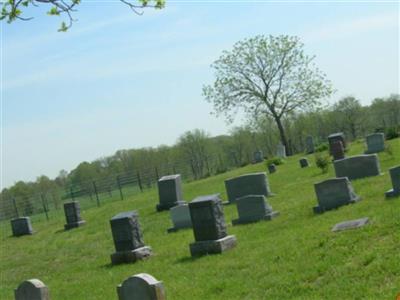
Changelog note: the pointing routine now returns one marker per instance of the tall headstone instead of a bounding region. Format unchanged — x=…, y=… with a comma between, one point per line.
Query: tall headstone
x=375, y=143
x=395, y=176
x=180, y=216
x=253, y=208
x=248, y=184
x=271, y=168
x=310, y=145
x=280, y=151
x=32, y=289
x=128, y=239
x=141, y=287
x=209, y=226
x=258, y=156
x=333, y=193
x=21, y=226
x=358, y=166
x=72, y=212
x=303, y=162
x=337, y=150
x=169, y=192
x=339, y=136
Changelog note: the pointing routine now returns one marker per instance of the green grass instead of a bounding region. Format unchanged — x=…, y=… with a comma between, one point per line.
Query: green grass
x=294, y=256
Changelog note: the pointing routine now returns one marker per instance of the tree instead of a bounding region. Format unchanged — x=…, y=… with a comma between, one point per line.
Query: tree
x=12, y=9
x=266, y=75
x=349, y=114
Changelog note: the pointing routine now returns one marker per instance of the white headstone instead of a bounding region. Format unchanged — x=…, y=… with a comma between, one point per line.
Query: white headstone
x=281, y=151
x=180, y=216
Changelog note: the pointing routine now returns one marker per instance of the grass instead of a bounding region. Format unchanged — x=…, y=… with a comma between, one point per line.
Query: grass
x=294, y=256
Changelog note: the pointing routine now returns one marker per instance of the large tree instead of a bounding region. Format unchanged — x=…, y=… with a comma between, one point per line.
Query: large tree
x=268, y=75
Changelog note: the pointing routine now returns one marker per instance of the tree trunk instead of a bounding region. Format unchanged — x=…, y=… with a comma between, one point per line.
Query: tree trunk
x=283, y=135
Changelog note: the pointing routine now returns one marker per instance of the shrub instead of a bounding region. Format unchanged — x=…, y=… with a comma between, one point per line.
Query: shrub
x=321, y=147
x=275, y=160
x=392, y=133
x=322, y=162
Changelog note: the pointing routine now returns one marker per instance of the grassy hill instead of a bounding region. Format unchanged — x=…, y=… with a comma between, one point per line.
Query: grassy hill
x=294, y=256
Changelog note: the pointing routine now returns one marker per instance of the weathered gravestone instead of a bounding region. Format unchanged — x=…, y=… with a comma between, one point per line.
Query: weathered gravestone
x=169, y=192
x=333, y=193
x=337, y=150
x=303, y=162
x=258, y=156
x=271, y=168
x=253, y=208
x=309, y=144
x=350, y=224
x=358, y=166
x=141, y=287
x=375, y=143
x=395, y=176
x=21, y=226
x=281, y=151
x=72, y=212
x=334, y=137
x=209, y=226
x=248, y=184
x=180, y=216
x=32, y=289
x=128, y=239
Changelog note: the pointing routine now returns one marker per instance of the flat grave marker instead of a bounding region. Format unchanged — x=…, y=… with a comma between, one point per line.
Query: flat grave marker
x=350, y=224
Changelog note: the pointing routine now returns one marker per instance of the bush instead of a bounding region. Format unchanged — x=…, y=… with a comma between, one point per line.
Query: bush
x=321, y=147
x=322, y=162
x=276, y=161
x=392, y=133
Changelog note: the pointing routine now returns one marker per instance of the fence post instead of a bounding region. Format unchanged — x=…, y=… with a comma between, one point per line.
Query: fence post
x=139, y=181
x=120, y=188
x=15, y=207
x=44, y=206
x=97, y=195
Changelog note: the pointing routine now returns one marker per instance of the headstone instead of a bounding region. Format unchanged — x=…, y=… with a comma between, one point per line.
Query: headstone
x=248, y=184
x=32, y=289
x=141, y=287
x=21, y=226
x=180, y=216
x=358, y=166
x=337, y=150
x=72, y=212
x=128, y=240
x=333, y=193
x=339, y=136
x=303, y=162
x=271, y=168
x=395, y=176
x=253, y=208
x=258, y=156
x=280, y=151
x=209, y=226
x=310, y=145
x=169, y=192
x=375, y=143
x=350, y=224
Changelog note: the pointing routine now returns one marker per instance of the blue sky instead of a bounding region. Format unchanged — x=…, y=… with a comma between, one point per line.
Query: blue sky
x=116, y=80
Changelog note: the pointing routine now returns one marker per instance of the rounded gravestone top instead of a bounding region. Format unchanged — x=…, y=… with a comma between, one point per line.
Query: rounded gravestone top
x=32, y=289
x=141, y=287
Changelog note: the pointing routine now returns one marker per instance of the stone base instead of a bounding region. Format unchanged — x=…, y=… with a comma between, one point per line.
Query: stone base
x=130, y=256
x=268, y=217
x=213, y=246
x=319, y=210
x=175, y=229
x=392, y=193
x=167, y=206
x=74, y=225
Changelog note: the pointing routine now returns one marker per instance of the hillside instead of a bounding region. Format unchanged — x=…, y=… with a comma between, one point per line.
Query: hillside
x=295, y=256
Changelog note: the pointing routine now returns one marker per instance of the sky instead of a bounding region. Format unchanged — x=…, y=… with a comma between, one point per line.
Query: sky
x=117, y=80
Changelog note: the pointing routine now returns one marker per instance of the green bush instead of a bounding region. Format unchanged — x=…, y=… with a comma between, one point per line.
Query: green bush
x=276, y=161
x=392, y=133
x=321, y=147
x=322, y=162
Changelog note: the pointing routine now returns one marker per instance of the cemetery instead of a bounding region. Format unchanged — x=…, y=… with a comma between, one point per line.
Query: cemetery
x=265, y=258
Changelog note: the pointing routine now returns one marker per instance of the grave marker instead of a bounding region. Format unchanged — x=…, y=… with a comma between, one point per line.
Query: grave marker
x=303, y=162
x=32, y=289
x=72, y=212
x=141, y=287
x=258, y=156
x=395, y=177
x=350, y=224
x=21, y=226
x=339, y=136
x=358, y=166
x=271, y=168
x=375, y=143
x=337, y=150
x=180, y=216
x=280, y=151
x=309, y=144
x=253, y=208
x=169, y=192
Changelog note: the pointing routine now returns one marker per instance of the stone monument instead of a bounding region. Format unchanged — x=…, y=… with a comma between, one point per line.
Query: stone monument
x=21, y=226
x=253, y=208
x=358, y=166
x=169, y=192
x=72, y=212
x=141, y=287
x=339, y=136
x=310, y=145
x=395, y=176
x=375, y=143
x=258, y=156
x=303, y=162
x=180, y=216
x=280, y=151
x=337, y=150
x=32, y=289
x=271, y=168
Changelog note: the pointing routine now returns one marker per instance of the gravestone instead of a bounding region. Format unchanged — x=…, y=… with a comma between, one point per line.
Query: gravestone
x=169, y=192
x=309, y=144
x=141, y=287
x=21, y=226
x=339, y=136
x=333, y=193
x=253, y=208
x=32, y=289
x=375, y=143
x=303, y=162
x=358, y=166
x=72, y=212
x=180, y=216
x=258, y=156
x=337, y=150
x=248, y=184
x=395, y=176
x=350, y=224
x=271, y=168
x=128, y=239
x=209, y=226
x=280, y=151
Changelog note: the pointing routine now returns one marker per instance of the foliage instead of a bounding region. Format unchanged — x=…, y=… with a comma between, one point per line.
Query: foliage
x=348, y=115
x=392, y=133
x=275, y=160
x=322, y=162
x=321, y=147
